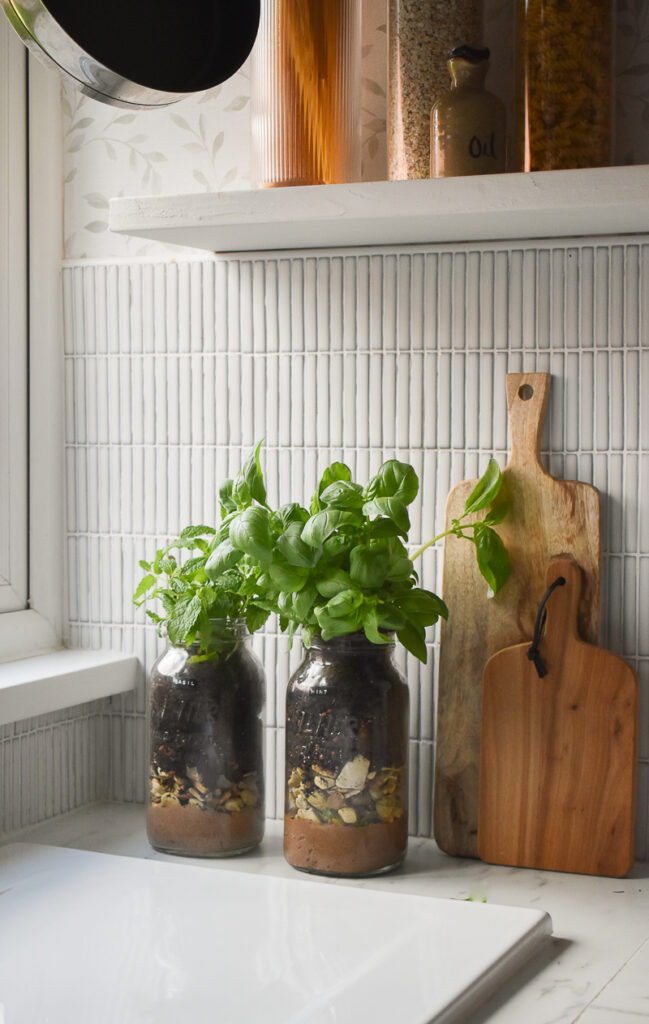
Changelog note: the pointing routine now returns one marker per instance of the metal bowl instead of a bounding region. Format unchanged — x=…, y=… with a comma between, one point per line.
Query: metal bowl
x=139, y=53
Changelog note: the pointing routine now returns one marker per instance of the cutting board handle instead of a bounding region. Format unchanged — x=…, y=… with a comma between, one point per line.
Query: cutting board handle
x=527, y=399
x=563, y=605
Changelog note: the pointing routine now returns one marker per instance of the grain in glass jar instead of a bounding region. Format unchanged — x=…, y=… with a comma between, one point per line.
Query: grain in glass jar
x=420, y=35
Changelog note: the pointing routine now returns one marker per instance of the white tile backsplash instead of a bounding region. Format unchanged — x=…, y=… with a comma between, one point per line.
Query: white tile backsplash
x=175, y=369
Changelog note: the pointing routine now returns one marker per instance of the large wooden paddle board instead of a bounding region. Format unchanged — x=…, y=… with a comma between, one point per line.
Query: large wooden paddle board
x=548, y=517
x=558, y=752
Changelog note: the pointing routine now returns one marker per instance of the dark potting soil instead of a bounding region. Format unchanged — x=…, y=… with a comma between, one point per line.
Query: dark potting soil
x=208, y=717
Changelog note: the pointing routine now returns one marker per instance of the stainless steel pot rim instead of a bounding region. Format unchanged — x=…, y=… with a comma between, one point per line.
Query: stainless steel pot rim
x=44, y=37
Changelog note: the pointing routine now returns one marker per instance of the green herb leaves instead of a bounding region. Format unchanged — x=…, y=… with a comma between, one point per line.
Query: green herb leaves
x=491, y=554
x=339, y=567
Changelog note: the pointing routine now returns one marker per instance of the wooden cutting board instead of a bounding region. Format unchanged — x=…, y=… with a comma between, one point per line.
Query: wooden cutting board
x=558, y=753
x=548, y=517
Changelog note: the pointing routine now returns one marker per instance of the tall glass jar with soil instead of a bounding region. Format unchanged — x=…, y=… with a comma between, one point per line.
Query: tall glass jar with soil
x=564, y=73
x=346, y=759
x=206, y=786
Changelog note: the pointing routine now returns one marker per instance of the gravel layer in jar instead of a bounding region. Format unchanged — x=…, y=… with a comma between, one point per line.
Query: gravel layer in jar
x=206, y=771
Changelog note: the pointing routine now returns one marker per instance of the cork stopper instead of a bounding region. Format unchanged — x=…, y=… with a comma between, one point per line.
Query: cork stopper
x=472, y=54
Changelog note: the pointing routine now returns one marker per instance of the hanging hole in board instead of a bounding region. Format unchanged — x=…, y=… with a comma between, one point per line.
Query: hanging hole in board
x=525, y=392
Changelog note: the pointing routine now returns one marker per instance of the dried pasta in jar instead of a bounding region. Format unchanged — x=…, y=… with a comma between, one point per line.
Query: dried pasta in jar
x=564, y=83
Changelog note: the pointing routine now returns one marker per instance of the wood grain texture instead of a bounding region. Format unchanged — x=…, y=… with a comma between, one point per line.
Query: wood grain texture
x=557, y=760
x=548, y=517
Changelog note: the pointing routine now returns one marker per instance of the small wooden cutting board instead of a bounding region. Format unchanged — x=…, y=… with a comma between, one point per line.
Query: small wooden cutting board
x=558, y=753
x=548, y=517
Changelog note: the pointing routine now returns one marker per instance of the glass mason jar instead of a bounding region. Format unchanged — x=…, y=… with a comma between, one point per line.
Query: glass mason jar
x=305, y=84
x=206, y=785
x=564, y=83
x=420, y=35
x=346, y=807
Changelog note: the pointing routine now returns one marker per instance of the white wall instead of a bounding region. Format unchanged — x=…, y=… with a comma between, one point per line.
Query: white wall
x=174, y=371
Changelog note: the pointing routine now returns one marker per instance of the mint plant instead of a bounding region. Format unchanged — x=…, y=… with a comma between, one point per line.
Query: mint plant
x=197, y=590
x=342, y=565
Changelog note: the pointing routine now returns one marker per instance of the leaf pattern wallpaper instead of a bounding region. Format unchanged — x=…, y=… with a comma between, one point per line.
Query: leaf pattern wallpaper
x=202, y=143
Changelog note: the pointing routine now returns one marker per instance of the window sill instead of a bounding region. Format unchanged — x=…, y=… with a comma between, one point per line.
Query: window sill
x=62, y=679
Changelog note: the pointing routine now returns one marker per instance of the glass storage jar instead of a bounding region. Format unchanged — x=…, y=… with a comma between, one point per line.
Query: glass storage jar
x=346, y=807
x=467, y=124
x=564, y=82
x=206, y=786
x=305, y=85
x=420, y=35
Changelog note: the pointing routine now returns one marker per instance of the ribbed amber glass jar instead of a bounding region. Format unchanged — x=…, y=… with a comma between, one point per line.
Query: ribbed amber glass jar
x=305, y=85
x=564, y=73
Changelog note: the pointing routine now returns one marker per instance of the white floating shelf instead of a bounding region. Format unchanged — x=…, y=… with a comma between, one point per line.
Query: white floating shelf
x=547, y=204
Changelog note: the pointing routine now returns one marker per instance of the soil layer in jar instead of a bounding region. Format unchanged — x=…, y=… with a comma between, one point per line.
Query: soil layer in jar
x=206, y=774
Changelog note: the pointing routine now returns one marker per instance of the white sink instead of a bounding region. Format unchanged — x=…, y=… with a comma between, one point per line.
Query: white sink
x=89, y=938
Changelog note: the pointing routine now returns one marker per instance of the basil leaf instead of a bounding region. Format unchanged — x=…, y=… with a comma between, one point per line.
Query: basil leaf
x=394, y=480
x=304, y=601
x=250, y=533
x=224, y=557
x=323, y=524
x=225, y=497
x=335, y=625
x=369, y=564
x=486, y=490
x=413, y=639
x=342, y=494
x=292, y=513
x=380, y=529
x=333, y=582
x=344, y=603
x=493, y=560
x=293, y=548
x=423, y=606
x=393, y=508
x=371, y=628
x=336, y=471
x=288, y=577
x=253, y=477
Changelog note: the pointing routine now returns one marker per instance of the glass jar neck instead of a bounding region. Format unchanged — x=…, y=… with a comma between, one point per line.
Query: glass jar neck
x=465, y=75
x=350, y=645
x=224, y=635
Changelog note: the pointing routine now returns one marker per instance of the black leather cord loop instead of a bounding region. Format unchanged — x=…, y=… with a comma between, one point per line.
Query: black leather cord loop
x=533, y=653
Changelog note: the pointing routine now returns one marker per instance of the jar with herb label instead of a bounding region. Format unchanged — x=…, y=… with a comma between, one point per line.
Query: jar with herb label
x=564, y=75
x=420, y=35
x=346, y=807
x=206, y=786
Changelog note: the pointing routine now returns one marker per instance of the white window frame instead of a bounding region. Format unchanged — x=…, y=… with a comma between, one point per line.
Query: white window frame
x=13, y=326
x=41, y=625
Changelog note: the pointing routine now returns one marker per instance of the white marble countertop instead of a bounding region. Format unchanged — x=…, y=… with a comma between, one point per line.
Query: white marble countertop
x=596, y=970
